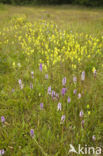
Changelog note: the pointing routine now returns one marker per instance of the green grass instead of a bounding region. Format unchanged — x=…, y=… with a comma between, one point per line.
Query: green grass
x=65, y=40
x=78, y=19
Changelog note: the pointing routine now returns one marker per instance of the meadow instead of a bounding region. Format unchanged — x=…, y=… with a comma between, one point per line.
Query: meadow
x=51, y=80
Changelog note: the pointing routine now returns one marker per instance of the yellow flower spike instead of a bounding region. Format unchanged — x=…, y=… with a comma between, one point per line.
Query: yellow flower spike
x=89, y=112
x=13, y=64
x=89, y=56
x=75, y=66
x=79, y=60
x=93, y=69
x=88, y=106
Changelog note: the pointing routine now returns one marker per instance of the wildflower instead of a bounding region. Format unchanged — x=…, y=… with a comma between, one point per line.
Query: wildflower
x=32, y=74
x=46, y=76
x=74, y=79
x=81, y=114
x=32, y=132
x=2, y=119
x=69, y=99
x=57, y=95
x=39, y=94
x=62, y=118
x=88, y=106
x=59, y=107
x=13, y=64
x=79, y=95
x=83, y=76
x=63, y=91
x=20, y=82
x=89, y=112
x=40, y=67
x=49, y=90
x=19, y=65
x=64, y=81
x=41, y=105
x=53, y=93
x=74, y=91
x=31, y=85
x=94, y=71
x=93, y=138
x=2, y=152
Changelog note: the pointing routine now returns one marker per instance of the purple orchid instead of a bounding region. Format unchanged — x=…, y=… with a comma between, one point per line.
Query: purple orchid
x=62, y=118
x=63, y=91
x=40, y=67
x=41, y=105
x=2, y=119
x=59, y=107
x=83, y=76
x=74, y=91
x=64, y=81
x=69, y=99
x=81, y=114
x=49, y=90
x=74, y=79
x=32, y=132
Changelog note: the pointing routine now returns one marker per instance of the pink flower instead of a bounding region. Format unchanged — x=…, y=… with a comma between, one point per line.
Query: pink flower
x=41, y=105
x=32, y=74
x=49, y=90
x=2, y=119
x=40, y=67
x=74, y=79
x=81, y=114
x=74, y=91
x=63, y=91
x=79, y=95
x=69, y=99
x=62, y=118
x=20, y=84
x=2, y=152
x=59, y=107
x=93, y=138
x=83, y=76
x=64, y=81
x=32, y=132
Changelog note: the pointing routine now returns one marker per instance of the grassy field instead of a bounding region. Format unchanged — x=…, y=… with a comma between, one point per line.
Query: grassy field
x=51, y=80
x=78, y=19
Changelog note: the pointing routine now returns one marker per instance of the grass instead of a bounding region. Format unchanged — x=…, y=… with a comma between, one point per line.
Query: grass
x=78, y=19
x=51, y=79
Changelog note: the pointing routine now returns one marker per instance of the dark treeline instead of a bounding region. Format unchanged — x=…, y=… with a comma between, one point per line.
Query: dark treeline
x=80, y=2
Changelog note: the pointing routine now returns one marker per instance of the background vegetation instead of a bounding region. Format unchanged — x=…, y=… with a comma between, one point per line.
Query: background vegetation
x=81, y=2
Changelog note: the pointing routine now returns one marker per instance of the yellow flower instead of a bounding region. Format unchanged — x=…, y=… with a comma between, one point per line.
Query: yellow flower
x=93, y=69
x=88, y=106
x=89, y=112
x=13, y=64
x=88, y=56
